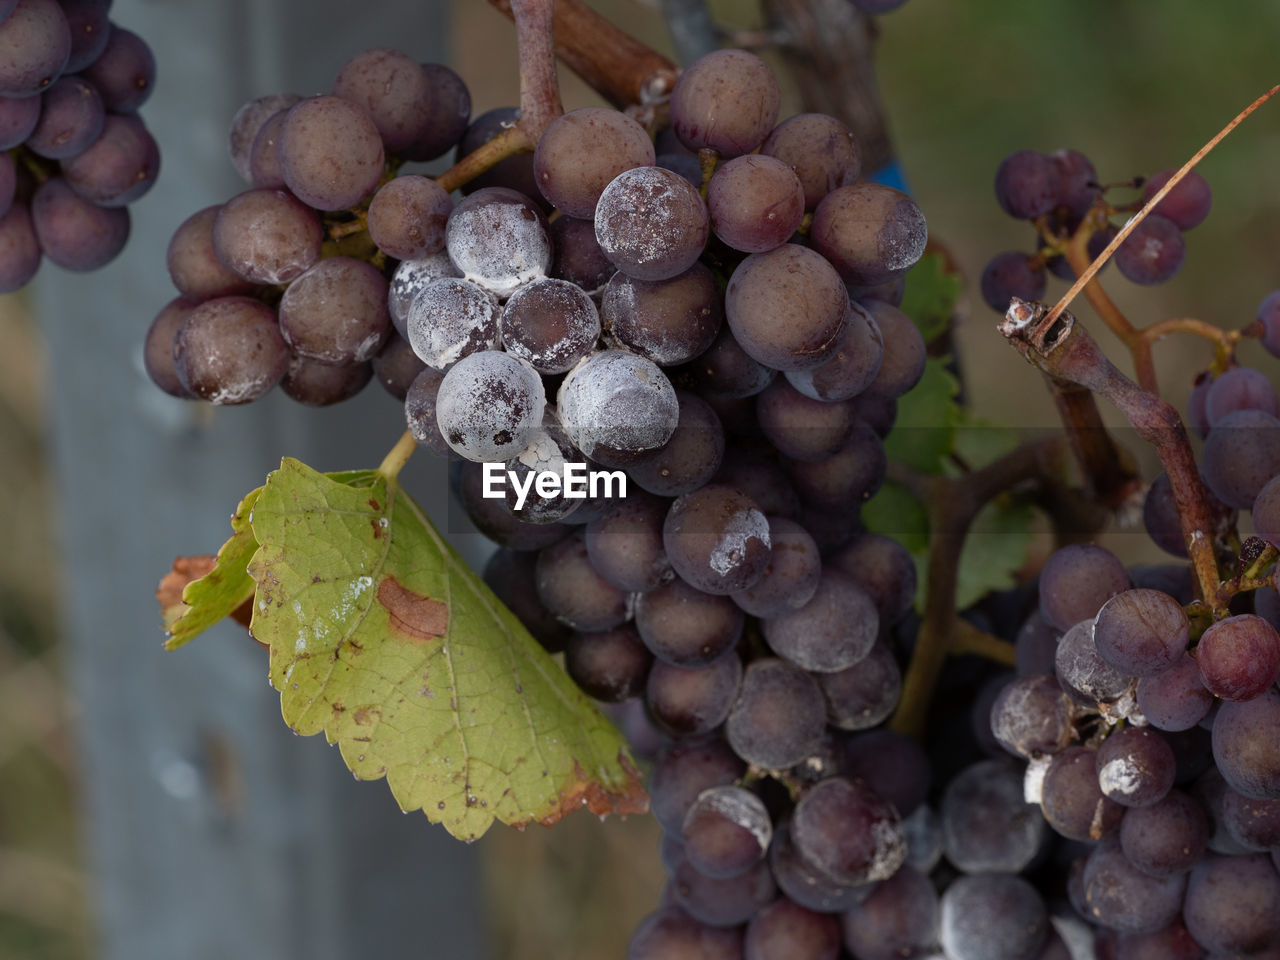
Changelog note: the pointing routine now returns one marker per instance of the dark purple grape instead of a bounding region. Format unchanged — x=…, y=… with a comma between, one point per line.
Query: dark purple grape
x=899, y=919
x=651, y=223
x=1153, y=253
x=726, y=832
x=723, y=901
x=578, y=257
x=786, y=307
x=1083, y=674
x=761, y=478
x=1142, y=632
x=727, y=370
x=778, y=718
x=246, y=124
x=669, y=321
x=1231, y=904
x=1239, y=658
x=687, y=701
x=1246, y=748
x=1168, y=837
x=1268, y=315
x=336, y=312
x=330, y=152
x=987, y=824
x=529, y=494
x=819, y=149
x=489, y=406
x=230, y=351
x=582, y=151
x=450, y=319
x=892, y=764
x=625, y=544
x=35, y=43
x=493, y=518
x=1241, y=454
x=1175, y=699
x=1071, y=800
x=71, y=119
x=884, y=569
x=869, y=232
x=264, y=153
x=616, y=406
x=717, y=539
x=671, y=933
x=755, y=203
x=686, y=627
x=1035, y=645
x=683, y=770
x=1077, y=581
x=1254, y=824
x=833, y=631
x=791, y=577
x=574, y=592
x=90, y=31
x=1032, y=716
x=992, y=916
x=848, y=831
x=1169, y=943
x=784, y=930
x=19, y=248
x=864, y=695
x=319, y=384
x=417, y=116
x=1187, y=204
x=18, y=117
x=512, y=576
x=1136, y=767
x=125, y=73
x=690, y=458
x=685, y=164
x=1079, y=181
x=805, y=884
x=1028, y=184
x=267, y=236
x=193, y=264
x=1009, y=275
x=407, y=217
x=1210, y=790
x=801, y=428
x=904, y=352
x=852, y=365
x=74, y=233
x=610, y=665
x=1266, y=512
x=726, y=101
x=852, y=474
x=1122, y=897
x=157, y=348
x=117, y=168
x=420, y=412
x=1160, y=517
x=1240, y=388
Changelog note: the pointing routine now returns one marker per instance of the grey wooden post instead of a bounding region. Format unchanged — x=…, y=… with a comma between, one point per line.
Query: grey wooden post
x=212, y=832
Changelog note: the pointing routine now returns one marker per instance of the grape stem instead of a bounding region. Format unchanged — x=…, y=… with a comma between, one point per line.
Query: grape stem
x=617, y=66
x=952, y=505
x=508, y=143
x=398, y=456
x=1063, y=348
x=539, y=83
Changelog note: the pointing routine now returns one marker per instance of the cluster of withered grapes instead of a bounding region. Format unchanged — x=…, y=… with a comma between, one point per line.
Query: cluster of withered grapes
x=73, y=150
x=1057, y=190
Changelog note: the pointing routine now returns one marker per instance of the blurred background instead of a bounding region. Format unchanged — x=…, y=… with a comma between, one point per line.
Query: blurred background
x=152, y=805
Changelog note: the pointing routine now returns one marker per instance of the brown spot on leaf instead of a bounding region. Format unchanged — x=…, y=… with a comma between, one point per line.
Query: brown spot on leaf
x=187, y=570
x=629, y=797
x=377, y=528
x=366, y=715
x=417, y=617
x=373, y=502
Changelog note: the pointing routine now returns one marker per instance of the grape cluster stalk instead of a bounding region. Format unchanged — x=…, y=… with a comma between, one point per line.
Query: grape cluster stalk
x=703, y=300
x=74, y=153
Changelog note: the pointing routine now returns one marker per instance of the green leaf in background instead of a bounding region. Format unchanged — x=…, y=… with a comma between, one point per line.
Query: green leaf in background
x=924, y=433
x=930, y=296
x=995, y=549
x=384, y=640
x=895, y=512
x=979, y=441
x=222, y=590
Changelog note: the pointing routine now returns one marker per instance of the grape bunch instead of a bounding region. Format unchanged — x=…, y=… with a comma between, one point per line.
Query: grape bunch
x=1058, y=192
x=73, y=151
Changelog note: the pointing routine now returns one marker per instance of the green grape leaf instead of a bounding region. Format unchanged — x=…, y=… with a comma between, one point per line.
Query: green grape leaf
x=384, y=640
x=924, y=434
x=895, y=512
x=221, y=591
x=995, y=549
x=980, y=441
x=930, y=296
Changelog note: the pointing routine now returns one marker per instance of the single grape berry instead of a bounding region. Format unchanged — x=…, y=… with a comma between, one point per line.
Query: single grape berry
x=1153, y=253
x=1028, y=184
